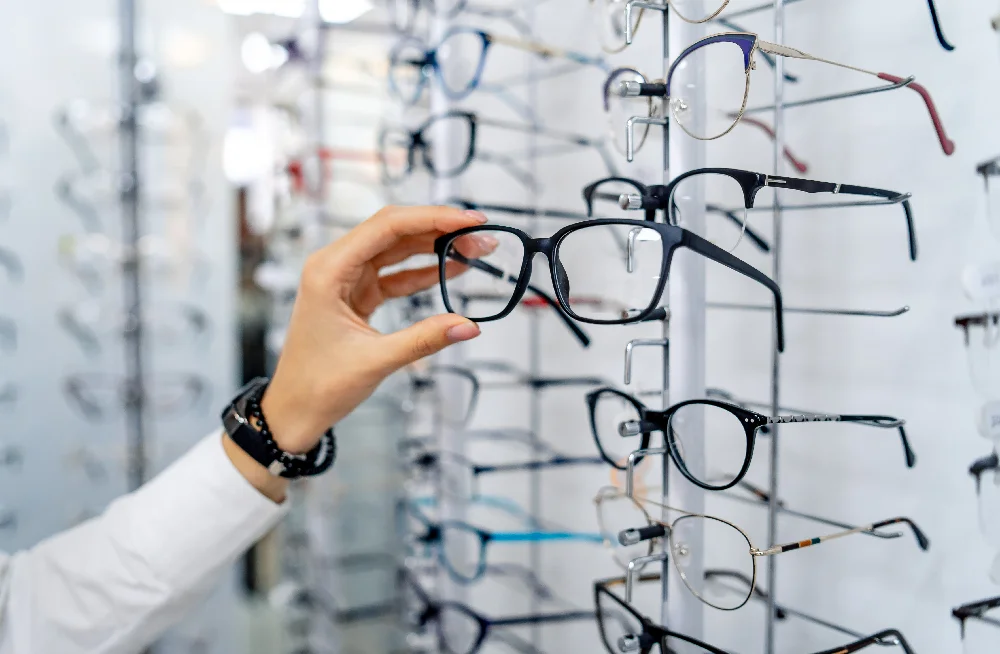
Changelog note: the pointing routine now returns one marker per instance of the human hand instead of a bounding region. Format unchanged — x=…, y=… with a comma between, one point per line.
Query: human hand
x=332, y=358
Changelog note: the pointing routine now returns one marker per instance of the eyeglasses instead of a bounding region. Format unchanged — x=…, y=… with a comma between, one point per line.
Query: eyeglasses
x=629, y=531
x=572, y=251
x=458, y=61
x=459, y=477
x=464, y=300
x=622, y=21
x=979, y=630
x=622, y=424
x=619, y=109
x=96, y=395
x=399, y=147
x=732, y=192
x=93, y=258
x=88, y=322
x=982, y=350
x=8, y=393
x=732, y=55
x=92, y=195
x=986, y=472
x=624, y=629
x=457, y=388
x=732, y=581
x=462, y=548
x=461, y=629
x=79, y=121
x=11, y=264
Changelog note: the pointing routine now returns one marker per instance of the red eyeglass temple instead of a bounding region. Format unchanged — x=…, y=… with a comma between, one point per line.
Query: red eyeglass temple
x=946, y=143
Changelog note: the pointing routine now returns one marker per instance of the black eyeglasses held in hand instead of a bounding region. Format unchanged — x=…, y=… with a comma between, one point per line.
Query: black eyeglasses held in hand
x=621, y=424
x=572, y=252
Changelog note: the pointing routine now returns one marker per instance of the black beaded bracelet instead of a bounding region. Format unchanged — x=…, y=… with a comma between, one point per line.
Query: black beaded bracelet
x=317, y=461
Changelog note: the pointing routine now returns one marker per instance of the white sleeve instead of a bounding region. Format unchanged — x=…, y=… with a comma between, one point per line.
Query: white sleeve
x=113, y=584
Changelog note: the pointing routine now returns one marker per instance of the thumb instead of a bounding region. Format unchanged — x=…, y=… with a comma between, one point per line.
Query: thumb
x=425, y=338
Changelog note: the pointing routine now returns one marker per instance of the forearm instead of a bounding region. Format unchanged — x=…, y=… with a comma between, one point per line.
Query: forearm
x=114, y=583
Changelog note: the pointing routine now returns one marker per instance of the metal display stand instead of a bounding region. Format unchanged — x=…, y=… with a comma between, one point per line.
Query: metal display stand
x=130, y=95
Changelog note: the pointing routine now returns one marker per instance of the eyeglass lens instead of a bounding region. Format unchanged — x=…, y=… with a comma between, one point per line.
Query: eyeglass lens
x=724, y=225
x=708, y=111
x=722, y=546
x=720, y=435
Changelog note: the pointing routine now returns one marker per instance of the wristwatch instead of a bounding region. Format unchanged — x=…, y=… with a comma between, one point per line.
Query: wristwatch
x=244, y=421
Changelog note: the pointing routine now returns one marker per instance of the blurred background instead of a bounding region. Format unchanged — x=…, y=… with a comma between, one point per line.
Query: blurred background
x=166, y=167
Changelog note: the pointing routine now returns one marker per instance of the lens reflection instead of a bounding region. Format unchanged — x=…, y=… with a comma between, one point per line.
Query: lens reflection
x=625, y=285
x=708, y=111
x=485, y=266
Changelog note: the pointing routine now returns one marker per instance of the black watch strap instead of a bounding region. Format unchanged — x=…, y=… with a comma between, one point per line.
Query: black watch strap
x=239, y=418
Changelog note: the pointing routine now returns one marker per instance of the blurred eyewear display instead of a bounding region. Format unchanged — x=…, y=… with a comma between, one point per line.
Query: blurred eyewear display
x=97, y=396
x=399, y=147
x=980, y=625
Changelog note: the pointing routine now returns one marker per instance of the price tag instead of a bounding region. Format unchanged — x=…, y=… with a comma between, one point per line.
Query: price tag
x=982, y=281
x=989, y=421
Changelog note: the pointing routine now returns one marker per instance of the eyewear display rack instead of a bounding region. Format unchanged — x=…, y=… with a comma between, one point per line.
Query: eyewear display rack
x=130, y=99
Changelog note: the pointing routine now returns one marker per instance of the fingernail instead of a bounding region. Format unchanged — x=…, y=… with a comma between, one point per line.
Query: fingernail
x=486, y=242
x=478, y=215
x=464, y=332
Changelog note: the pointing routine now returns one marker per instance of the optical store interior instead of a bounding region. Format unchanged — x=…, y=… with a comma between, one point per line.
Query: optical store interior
x=737, y=389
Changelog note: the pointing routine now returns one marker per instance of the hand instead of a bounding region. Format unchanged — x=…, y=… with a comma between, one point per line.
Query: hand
x=332, y=358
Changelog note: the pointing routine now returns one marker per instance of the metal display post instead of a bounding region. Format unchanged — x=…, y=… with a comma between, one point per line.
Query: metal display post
x=686, y=364
x=129, y=188
x=779, y=148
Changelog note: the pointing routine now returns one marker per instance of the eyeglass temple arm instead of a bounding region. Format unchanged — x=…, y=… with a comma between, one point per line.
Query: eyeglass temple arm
x=493, y=271
x=546, y=51
x=938, y=31
x=507, y=163
x=518, y=211
x=879, y=422
x=538, y=465
x=810, y=186
x=82, y=333
x=701, y=246
x=75, y=139
x=66, y=192
x=947, y=145
x=922, y=540
x=889, y=637
x=797, y=163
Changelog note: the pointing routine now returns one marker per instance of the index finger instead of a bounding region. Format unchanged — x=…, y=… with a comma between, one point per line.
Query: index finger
x=392, y=224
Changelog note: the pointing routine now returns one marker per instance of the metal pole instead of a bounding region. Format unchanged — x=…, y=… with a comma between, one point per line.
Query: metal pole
x=685, y=359
x=129, y=98
x=779, y=147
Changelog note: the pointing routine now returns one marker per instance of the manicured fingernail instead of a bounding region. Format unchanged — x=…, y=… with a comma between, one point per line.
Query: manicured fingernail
x=464, y=332
x=486, y=242
x=478, y=215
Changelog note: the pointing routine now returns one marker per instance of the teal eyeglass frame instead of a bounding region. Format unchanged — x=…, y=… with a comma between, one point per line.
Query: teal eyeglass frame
x=434, y=535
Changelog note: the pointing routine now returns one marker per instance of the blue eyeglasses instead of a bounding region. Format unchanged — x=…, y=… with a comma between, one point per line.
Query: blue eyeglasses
x=461, y=547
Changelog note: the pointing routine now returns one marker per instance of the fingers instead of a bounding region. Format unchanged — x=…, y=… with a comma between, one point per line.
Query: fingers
x=408, y=282
x=391, y=225
x=425, y=338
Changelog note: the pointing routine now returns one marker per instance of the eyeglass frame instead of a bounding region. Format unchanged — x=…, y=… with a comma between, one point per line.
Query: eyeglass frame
x=975, y=611
x=752, y=422
x=650, y=629
x=672, y=237
x=659, y=197
x=657, y=529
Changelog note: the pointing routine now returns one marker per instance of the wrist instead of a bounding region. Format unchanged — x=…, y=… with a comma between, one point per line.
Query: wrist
x=292, y=427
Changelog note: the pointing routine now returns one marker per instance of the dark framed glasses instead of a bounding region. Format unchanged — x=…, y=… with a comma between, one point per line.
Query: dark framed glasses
x=986, y=472
x=980, y=625
x=982, y=349
x=458, y=61
x=624, y=629
x=400, y=149
x=621, y=424
x=461, y=629
x=640, y=274
x=730, y=193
